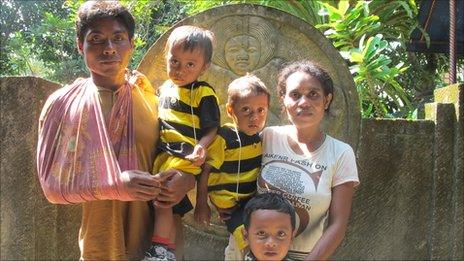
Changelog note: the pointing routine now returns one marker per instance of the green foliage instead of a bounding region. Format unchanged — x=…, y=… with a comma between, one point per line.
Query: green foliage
x=22, y=60
x=347, y=26
x=196, y=6
x=153, y=18
x=371, y=35
x=40, y=41
x=43, y=41
x=375, y=79
x=304, y=9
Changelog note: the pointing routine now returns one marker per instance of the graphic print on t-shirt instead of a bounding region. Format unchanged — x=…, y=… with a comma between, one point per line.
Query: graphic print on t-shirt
x=292, y=179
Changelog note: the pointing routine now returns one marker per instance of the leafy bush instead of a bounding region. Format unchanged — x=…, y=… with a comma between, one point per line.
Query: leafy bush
x=43, y=41
x=365, y=34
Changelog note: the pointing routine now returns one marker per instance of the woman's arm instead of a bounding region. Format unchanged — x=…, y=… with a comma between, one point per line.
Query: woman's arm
x=339, y=213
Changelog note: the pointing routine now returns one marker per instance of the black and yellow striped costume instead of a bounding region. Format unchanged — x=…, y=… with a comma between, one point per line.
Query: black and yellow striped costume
x=186, y=113
x=227, y=185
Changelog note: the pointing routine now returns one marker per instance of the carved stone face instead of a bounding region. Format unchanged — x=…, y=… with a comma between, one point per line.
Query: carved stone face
x=242, y=54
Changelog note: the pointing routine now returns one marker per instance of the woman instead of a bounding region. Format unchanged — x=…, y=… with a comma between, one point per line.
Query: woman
x=314, y=171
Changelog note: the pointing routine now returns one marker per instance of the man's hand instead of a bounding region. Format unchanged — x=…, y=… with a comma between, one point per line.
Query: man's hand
x=141, y=185
x=198, y=155
x=175, y=187
x=202, y=213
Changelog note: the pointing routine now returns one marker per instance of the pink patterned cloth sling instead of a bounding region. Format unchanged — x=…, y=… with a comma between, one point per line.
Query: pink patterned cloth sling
x=79, y=158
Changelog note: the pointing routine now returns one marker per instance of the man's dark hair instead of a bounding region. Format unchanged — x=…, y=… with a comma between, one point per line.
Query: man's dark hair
x=91, y=11
x=268, y=201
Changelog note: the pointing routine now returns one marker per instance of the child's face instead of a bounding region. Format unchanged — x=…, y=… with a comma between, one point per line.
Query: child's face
x=269, y=234
x=250, y=112
x=185, y=66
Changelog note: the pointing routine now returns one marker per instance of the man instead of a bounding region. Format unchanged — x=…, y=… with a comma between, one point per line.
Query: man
x=97, y=141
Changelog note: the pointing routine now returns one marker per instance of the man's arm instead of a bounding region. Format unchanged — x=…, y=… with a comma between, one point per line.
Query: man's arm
x=133, y=185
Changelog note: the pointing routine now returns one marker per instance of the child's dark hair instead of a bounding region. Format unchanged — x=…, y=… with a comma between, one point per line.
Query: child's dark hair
x=190, y=38
x=244, y=86
x=91, y=11
x=310, y=68
x=268, y=201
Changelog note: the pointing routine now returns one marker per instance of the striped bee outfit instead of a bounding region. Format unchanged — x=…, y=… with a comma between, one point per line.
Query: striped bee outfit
x=186, y=113
x=235, y=166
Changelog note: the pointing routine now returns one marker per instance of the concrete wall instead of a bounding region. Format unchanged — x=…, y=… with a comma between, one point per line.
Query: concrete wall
x=410, y=201
x=31, y=228
x=409, y=204
x=391, y=208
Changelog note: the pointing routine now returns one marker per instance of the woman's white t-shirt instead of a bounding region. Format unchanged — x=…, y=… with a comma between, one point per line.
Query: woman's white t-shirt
x=305, y=180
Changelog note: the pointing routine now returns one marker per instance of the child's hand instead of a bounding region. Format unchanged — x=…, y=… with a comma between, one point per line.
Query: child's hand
x=174, y=187
x=202, y=213
x=198, y=155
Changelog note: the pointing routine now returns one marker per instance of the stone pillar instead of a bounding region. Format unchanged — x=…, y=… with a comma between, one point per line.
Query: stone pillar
x=31, y=228
x=446, y=226
x=457, y=231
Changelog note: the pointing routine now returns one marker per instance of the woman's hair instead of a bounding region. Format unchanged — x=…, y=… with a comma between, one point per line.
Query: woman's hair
x=310, y=68
x=91, y=11
x=244, y=86
x=192, y=37
x=268, y=201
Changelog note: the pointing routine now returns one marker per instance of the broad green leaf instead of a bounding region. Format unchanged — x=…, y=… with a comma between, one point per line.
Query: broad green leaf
x=343, y=6
x=333, y=12
x=356, y=57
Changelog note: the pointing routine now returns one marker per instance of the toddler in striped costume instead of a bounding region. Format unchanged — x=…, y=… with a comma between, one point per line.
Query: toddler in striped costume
x=230, y=173
x=189, y=118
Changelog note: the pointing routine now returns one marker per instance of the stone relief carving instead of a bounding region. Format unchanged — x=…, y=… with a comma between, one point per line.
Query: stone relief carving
x=245, y=44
